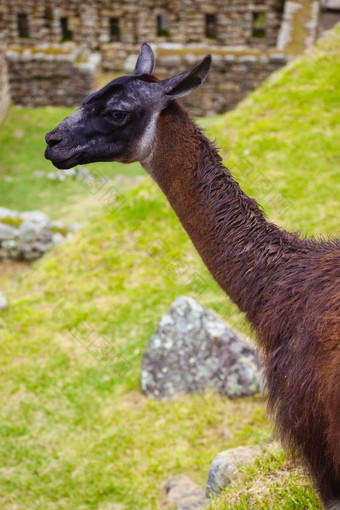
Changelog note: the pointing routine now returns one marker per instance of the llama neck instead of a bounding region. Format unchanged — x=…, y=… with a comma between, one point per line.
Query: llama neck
x=227, y=227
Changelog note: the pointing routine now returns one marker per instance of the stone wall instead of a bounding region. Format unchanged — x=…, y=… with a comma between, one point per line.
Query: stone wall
x=232, y=76
x=242, y=35
x=41, y=77
x=4, y=89
x=49, y=76
x=94, y=23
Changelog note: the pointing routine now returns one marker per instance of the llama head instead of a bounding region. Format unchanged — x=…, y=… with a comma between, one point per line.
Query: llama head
x=119, y=122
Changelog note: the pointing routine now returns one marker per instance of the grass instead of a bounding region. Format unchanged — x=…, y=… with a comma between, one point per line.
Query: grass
x=75, y=430
x=269, y=482
x=21, y=153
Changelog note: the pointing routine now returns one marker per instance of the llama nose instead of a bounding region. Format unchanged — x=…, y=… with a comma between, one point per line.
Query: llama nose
x=52, y=138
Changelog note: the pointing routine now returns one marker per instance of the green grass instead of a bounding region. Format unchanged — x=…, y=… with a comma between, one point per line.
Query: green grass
x=268, y=482
x=22, y=148
x=75, y=430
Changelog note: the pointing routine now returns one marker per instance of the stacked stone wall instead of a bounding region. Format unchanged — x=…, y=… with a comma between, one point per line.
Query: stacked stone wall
x=41, y=77
x=183, y=21
x=230, y=78
x=42, y=70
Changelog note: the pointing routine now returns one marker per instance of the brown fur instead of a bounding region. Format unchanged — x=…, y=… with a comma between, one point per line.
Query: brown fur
x=288, y=287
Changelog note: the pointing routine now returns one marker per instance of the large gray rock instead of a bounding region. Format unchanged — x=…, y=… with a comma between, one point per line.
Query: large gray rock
x=184, y=494
x=225, y=466
x=193, y=349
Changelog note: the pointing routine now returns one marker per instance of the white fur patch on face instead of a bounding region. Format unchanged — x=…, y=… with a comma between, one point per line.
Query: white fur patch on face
x=147, y=142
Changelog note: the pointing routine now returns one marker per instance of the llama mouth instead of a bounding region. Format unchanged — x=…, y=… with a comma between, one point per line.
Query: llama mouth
x=62, y=164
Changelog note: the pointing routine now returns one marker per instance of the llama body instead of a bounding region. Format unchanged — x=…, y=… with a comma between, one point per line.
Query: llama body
x=289, y=288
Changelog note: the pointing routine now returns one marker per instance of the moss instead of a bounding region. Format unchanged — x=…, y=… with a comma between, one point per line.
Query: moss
x=81, y=60
x=13, y=222
x=60, y=230
x=51, y=50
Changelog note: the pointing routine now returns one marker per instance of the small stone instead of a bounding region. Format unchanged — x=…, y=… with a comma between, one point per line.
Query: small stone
x=57, y=239
x=28, y=231
x=9, y=245
x=225, y=466
x=7, y=232
x=37, y=217
x=60, y=176
x=39, y=173
x=56, y=225
x=7, y=213
x=73, y=227
x=69, y=172
x=18, y=133
x=42, y=246
x=45, y=235
x=184, y=494
x=3, y=302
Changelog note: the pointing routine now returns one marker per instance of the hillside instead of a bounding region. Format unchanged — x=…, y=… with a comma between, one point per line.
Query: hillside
x=75, y=431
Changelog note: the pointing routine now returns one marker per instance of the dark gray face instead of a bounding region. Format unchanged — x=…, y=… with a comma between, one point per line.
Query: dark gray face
x=118, y=123
x=108, y=126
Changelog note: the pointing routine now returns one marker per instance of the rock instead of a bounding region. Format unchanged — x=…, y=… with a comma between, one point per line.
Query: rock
x=7, y=213
x=83, y=174
x=69, y=172
x=52, y=176
x=184, y=494
x=45, y=235
x=9, y=245
x=225, y=466
x=39, y=173
x=57, y=239
x=37, y=217
x=60, y=176
x=28, y=231
x=42, y=247
x=193, y=349
x=7, y=232
x=34, y=235
x=56, y=224
x=3, y=302
x=74, y=227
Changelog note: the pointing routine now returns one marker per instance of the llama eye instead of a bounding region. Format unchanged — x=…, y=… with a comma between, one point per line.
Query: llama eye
x=118, y=116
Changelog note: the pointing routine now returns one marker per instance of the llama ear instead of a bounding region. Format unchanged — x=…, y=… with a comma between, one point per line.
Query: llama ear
x=146, y=60
x=186, y=82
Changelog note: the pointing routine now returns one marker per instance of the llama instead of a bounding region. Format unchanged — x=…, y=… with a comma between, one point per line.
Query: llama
x=288, y=287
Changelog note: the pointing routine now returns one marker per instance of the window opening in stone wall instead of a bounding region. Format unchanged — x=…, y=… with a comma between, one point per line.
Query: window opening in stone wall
x=23, y=28
x=279, y=6
x=211, y=26
x=114, y=30
x=66, y=30
x=48, y=16
x=259, y=24
x=162, y=25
